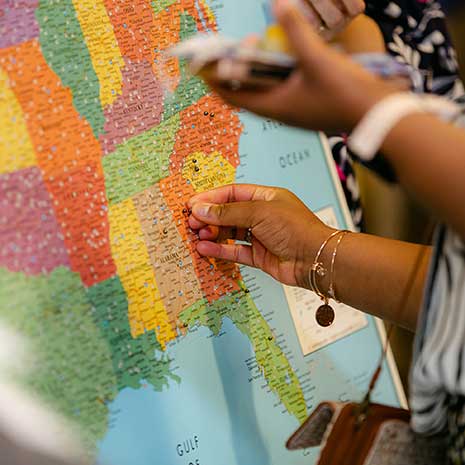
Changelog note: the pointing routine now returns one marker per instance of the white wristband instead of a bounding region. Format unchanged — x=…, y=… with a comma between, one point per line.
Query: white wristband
x=368, y=137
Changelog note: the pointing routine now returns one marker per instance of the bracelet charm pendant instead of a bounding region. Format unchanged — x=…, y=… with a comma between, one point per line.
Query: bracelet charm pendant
x=325, y=315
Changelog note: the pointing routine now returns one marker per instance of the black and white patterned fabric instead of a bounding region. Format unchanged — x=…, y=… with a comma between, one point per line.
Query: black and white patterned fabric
x=415, y=34
x=438, y=371
x=456, y=424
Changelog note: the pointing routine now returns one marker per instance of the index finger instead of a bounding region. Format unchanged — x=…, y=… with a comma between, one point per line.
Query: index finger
x=328, y=12
x=233, y=193
x=354, y=7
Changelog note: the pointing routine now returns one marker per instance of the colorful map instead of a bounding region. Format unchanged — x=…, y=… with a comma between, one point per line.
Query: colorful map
x=159, y=356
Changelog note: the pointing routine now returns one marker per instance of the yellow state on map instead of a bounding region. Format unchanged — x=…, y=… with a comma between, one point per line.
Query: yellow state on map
x=103, y=47
x=146, y=310
x=207, y=172
x=17, y=151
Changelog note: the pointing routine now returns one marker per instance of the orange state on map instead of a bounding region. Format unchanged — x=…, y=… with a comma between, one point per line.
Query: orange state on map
x=167, y=33
x=132, y=25
x=144, y=31
x=208, y=15
x=69, y=158
x=216, y=277
x=208, y=126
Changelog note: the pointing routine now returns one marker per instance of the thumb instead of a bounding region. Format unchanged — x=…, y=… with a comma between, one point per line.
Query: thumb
x=303, y=39
x=237, y=214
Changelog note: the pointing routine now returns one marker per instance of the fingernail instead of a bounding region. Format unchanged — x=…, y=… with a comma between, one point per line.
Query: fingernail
x=285, y=6
x=202, y=210
x=205, y=233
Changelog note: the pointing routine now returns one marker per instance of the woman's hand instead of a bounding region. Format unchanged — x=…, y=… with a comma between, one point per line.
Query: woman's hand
x=371, y=272
x=327, y=92
x=285, y=233
x=332, y=16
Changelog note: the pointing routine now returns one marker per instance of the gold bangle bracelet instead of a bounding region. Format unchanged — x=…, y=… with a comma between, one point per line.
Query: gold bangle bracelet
x=317, y=269
x=332, y=273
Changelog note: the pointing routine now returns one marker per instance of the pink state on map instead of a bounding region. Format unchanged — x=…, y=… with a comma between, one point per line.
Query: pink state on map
x=32, y=240
x=138, y=109
x=17, y=21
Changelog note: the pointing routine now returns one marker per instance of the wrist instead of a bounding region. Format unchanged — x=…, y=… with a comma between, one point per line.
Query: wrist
x=310, y=250
x=364, y=99
x=375, y=126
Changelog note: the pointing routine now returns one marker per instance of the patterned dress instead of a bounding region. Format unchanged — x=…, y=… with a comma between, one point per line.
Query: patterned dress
x=415, y=34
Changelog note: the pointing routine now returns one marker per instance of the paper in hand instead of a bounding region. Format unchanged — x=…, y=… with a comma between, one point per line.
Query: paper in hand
x=243, y=61
x=238, y=62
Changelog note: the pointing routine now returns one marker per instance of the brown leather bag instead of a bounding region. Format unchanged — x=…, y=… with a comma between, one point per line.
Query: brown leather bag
x=377, y=435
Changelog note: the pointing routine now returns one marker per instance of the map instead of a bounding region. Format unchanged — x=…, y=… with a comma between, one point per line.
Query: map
x=158, y=355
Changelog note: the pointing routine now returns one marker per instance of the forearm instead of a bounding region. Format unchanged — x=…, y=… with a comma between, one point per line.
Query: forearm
x=428, y=156
x=372, y=273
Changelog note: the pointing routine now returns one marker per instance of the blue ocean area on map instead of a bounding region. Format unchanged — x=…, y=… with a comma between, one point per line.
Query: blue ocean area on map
x=217, y=410
x=214, y=380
